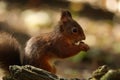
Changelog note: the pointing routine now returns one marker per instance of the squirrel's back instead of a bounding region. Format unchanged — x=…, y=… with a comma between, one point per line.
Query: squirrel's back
x=9, y=51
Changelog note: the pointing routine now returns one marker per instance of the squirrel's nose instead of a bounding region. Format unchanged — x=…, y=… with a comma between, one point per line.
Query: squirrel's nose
x=83, y=37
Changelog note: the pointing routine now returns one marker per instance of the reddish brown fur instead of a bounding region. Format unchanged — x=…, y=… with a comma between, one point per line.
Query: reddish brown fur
x=42, y=49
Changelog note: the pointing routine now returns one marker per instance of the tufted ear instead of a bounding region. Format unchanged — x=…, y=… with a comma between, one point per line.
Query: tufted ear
x=65, y=15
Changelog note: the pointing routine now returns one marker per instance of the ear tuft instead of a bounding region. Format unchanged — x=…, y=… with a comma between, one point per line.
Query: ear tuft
x=65, y=15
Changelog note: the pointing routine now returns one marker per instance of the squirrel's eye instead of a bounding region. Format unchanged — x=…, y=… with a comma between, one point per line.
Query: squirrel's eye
x=74, y=30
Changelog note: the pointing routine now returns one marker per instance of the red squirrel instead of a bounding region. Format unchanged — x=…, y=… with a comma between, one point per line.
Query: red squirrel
x=40, y=51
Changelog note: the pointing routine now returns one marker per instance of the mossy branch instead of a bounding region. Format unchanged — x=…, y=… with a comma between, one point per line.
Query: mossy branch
x=28, y=72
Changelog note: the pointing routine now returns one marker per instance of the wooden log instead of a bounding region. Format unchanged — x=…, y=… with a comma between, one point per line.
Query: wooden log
x=28, y=72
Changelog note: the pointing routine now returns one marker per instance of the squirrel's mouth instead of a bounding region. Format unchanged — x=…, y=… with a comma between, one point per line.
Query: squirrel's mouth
x=77, y=43
x=81, y=45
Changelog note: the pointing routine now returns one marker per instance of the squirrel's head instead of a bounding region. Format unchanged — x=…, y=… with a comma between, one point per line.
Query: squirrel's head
x=70, y=28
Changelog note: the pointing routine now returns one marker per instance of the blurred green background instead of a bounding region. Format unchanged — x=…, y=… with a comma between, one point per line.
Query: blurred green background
x=100, y=20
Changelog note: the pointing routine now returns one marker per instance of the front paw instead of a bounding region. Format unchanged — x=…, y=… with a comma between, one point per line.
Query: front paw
x=84, y=47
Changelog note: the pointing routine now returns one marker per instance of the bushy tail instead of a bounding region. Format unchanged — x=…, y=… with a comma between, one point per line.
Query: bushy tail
x=9, y=51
